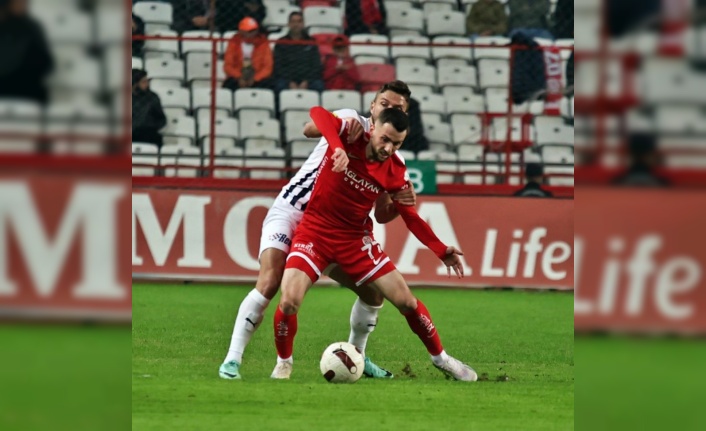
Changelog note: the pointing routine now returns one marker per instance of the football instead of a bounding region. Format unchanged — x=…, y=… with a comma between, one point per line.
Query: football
x=342, y=363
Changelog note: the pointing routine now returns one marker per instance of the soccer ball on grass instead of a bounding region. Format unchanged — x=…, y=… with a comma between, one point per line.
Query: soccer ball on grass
x=342, y=363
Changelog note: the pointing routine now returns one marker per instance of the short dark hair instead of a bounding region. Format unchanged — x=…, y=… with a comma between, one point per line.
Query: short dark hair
x=398, y=87
x=534, y=170
x=294, y=13
x=397, y=118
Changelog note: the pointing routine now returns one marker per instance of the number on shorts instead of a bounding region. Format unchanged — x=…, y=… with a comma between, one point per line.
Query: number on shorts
x=368, y=244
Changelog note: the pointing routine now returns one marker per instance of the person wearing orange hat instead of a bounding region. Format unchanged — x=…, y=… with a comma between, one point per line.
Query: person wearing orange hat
x=248, y=58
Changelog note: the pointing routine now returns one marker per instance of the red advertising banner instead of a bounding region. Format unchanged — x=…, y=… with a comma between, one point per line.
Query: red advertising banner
x=214, y=235
x=640, y=257
x=65, y=242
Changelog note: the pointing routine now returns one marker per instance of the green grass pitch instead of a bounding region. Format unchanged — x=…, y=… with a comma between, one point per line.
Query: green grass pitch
x=522, y=341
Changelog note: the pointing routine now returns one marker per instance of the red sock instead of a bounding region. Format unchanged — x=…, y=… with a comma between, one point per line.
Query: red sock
x=420, y=322
x=285, y=330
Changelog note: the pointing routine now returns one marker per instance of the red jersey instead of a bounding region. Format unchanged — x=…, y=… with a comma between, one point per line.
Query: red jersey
x=341, y=202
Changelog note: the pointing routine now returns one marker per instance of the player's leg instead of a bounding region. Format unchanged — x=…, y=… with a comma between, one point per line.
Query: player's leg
x=364, y=318
x=304, y=266
x=393, y=286
x=275, y=239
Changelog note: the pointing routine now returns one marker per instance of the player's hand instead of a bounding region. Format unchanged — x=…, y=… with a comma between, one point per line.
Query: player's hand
x=452, y=260
x=340, y=160
x=354, y=128
x=406, y=196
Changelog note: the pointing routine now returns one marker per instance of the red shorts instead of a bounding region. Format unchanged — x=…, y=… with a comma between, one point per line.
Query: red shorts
x=362, y=258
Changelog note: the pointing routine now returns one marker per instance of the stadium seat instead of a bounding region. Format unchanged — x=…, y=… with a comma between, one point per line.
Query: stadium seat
x=198, y=70
x=421, y=49
x=421, y=75
x=432, y=118
x=679, y=120
x=466, y=129
x=155, y=48
x=264, y=134
x=172, y=97
x=448, y=91
x=407, y=62
x=444, y=47
x=301, y=100
x=269, y=158
x=206, y=45
x=137, y=63
x=108, y=24
x=181, y=156
x=154, y=12
x=499, y=129
x=144, y=153
x=457, y=76
x=325, y=18
x=78, y=74
x=494, y=73
x=165, y=69
x=372, y=76
x=496, y=99
x=409, y=21
x=226, y=135
x=666, y=80
x=438, y=133
x=554, y=152
x=22, y=118
x=227, y=159
x=464, y=104
x=553, y=130
x=294, y=122
x=392, y=6
x=64, y=25
x=438, y=6
x=418, y=90
x=179, y=131
x=491, y=47
x=278, y=16
x=368, y=98
x=446, y=161
x=202, y=98
x=432, y=103
x=299, y=150
x=446, y=23
x=254, y=98
x=407, y=155
x=324, y=42
x=341, y=99
x=379, y=51
x=559, y=164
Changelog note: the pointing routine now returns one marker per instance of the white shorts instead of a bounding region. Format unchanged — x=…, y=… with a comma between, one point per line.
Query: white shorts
x=279, y=225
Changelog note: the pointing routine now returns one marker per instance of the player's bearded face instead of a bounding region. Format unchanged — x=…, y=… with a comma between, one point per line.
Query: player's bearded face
x=384, y=141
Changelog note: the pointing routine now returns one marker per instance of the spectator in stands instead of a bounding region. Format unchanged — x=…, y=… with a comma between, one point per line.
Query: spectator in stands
x=486, y=18
x=644, y=159
x=415, y=140
x=138, y=28
x=340, y=72
x=196, y=14
x=147, y=114
x=26, y=58
x=365, y=16
x=248, y=58
x=534, y=175
x=564, y=19
x=297, y=60
x=530, y=18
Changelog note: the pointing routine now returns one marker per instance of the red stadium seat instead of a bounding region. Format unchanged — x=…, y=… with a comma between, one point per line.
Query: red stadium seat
x=324, y=40
x=372, y=76
x=306, y=3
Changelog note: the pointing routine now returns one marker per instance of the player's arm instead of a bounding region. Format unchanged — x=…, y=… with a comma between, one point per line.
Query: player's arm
x=355, y=129
x=385, y=210
x=330, y=127
x=420, y=229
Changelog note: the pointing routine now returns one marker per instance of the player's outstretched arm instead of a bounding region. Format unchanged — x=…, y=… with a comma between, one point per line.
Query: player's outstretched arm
x=355, y=130
x=420, y=229
x=330, y=127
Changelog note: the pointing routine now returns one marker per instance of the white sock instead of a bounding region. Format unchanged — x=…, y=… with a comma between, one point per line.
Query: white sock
x=289, y=359
x=440, y=358
x=248, y=320
x=364, y=318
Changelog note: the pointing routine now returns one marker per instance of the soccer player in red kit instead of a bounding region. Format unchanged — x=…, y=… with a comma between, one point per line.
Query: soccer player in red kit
x=336, y=228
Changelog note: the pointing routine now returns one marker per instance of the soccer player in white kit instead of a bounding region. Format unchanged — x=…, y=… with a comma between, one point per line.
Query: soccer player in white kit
x=278, y=230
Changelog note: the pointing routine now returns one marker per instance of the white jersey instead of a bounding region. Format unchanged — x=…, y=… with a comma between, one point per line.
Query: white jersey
x=298, y=191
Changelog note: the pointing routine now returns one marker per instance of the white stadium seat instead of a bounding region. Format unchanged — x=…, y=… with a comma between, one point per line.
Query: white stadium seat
x=464, y=76
x=460, y=103
x=419, y=75
x=206, y=45
x=198, y=70
x=162, y=47
x=269, y=158
x=380, y=51
x=446, y=23
x=226, y=135
x=154, y=12
x=421, y=51
x=301, y=100
x=147, y=154
x=165, y=69
x=262, y=134
x=180, y=131
x=228, y=159
x=341, y=99
x=494, y=73
x=323, y=17
x=445, y=47
x=201, y=99
x=172, y=97
x=182, y=156
x=553, y=130
x=294, y=122
x=466, y=129
x=278, y=15
x=491, y=47
x=438, y=133
x=254, y=98
x=411, y=20
x=432, y=103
